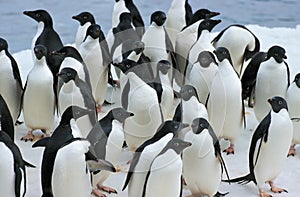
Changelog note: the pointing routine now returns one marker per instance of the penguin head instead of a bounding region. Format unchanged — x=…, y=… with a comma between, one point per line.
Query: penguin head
x=278, y=103
x=40, y=51
x=3, y=45
x=68, y=51
x=67, y=74
x=126, y=65
x=204, y=14
x=278, y=53
x=187, y=91
x=163, y=66
x=125, y=16
x=199, y=124
x=75, y=112
x=207, y=24
x=84, y=17
x=222, y=54
x=177, y=145
x=138, y=47
x=40, y=16
x=94, y=31
x=121, y=114
x=158, y=17
x=205, y=58
x=297, y=80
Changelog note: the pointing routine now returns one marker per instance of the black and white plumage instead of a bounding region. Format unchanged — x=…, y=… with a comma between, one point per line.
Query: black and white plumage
x=6, y=121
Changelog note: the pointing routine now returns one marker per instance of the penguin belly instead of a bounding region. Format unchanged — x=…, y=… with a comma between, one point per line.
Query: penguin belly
x=165, y=176
x=143, y=165
x=70, y=172
x=271, y=81
x=39, y=100
x=201, y=169
x=9, y=88
x=80, y=35
x=293, y=96
x=167, y=97
x=7, y=178
x=274, y=152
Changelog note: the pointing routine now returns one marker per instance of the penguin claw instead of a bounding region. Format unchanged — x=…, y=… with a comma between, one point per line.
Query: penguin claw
x=229, y=151
x=107, y=189
x=97, y=193
x=292, y=151
x=28, y=137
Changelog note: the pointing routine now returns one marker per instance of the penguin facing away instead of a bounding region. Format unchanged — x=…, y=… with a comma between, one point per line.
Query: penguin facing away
x=137, y=19
x=144, y=155
x=85, y=19
x=225, y=105
x=203, y=164
x=166, y=169
x=6, y=121
x=11, y=87
x=273, y=73
x=292, y=97
x=12, y=167
x=107, y=138
x=39, y=96
x=269, y=147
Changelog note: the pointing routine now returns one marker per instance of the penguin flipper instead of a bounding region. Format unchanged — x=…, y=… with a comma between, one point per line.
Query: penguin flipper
x=124, y=96
x=41, y=143
x=288, y=73
x=27, y=164
x=178, y=113
x=242, y=180
x=18, y=180
x=100, y=164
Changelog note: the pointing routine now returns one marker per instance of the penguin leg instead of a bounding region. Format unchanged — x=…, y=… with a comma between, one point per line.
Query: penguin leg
x=107, y=189
x=28, y=137
x=97, y=193
x=99, y=108
x=263, y=194
x=292, y=151
x=230, y=149
x=276, y=189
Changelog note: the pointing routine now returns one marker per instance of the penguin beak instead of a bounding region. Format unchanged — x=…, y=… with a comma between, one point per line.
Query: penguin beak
x=270, y=101
x=284, y=57
x=75, y=18
x=212, y=14
x=58, y=74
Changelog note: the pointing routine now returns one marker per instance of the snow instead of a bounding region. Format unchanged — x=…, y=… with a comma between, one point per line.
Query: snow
x=237, y=164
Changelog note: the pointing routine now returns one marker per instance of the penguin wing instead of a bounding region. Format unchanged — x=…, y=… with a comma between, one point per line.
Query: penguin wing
x=188, y=13
x=178, y=113
x=41, y=143
x=261, y=133
x=288, y=73
x=104, y=49
x=170, y=49
x=87, y=75
x=158, y=88
x=248, y=54
x=124, y=96
x=6, y=121
x=16, y=71
x=50, y=39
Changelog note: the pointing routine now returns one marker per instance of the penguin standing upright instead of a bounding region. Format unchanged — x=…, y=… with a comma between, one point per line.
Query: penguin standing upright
x=269, y=147
x=203, y=164
x=11, y=87
x=65, y=156
x=202, y=74
x=47, y=36
x=39, y=96
x=189, y=108
x=225, y=106
x=12, y=166
x=107, y=138
x=292, y=97
x=274, y=74
x=6, y=121
x=145, y=154
x=178, y=16
x=95, y=53
x=166, y=170
x=241, y=43
x=188, y=36
x=85, y=19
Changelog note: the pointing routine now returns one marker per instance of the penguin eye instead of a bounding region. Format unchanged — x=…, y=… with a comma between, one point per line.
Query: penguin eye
x=68, y=74
x=202, y=125
x=127, y=65
x=37, y=15
x=190, y=91
x=119, y=114
x=77, y=112
x=85, y=17
x=176, y=126
x=280, y=102
x=207, y=24
x=276, y=54
x=176, y=144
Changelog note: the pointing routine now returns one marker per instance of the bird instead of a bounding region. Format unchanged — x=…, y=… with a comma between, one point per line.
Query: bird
x=202, y=74
x=11, y=86
x=95, y=54
x=241, y=43
x=269, y=147
x=203, y=164
x=292, y=98
x=85, y=19
x=39, y=96
x=225, y=105
x=6, y=120
x=84, y=98
x=145, y=153
x=273, y=73
x=107, y=138
x=166, y=169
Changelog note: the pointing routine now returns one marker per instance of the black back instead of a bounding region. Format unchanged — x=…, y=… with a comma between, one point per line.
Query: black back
x=6, y=121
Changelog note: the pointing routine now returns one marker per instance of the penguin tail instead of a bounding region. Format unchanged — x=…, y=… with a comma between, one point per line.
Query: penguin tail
x=242, y=180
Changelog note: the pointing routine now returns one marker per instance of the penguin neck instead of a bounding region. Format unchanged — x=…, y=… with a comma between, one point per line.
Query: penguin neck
x=41, y=63
x=178, y=3
x=81, y=31
x=134, y=57
x=90, y=43
x=204, y=35
x=154, y=25
x=163, y=78
x=193, y=28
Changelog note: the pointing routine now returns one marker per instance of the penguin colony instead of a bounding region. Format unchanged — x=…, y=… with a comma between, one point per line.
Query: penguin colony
x=181, y=92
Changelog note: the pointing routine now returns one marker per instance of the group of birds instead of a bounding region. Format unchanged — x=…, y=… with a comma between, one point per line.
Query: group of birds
x=173, y=60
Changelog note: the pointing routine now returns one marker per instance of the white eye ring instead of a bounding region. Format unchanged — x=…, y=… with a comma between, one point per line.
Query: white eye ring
x=280, y=102
x=176, y=144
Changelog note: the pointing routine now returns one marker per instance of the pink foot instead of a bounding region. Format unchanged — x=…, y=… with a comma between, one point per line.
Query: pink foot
x=98, y=193
x=99, y=108
x=107, y=189
x=276, y=189
x=292, y=151
x=28, y=137
x=229, y=150
x=263, y=194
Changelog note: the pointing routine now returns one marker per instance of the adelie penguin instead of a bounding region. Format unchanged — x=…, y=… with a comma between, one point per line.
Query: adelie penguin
x=166, y=170
x=95, y=54
x=11, y=87
x=107, y=138
x=203, y=164
x=39, y=96
x=241, y=43
x=85, y=19
x=269, y=147
x=145, y=154
x=225, y=105
x=65, y=156
x=273, y=73
x=292, y=97
x=47, y=36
